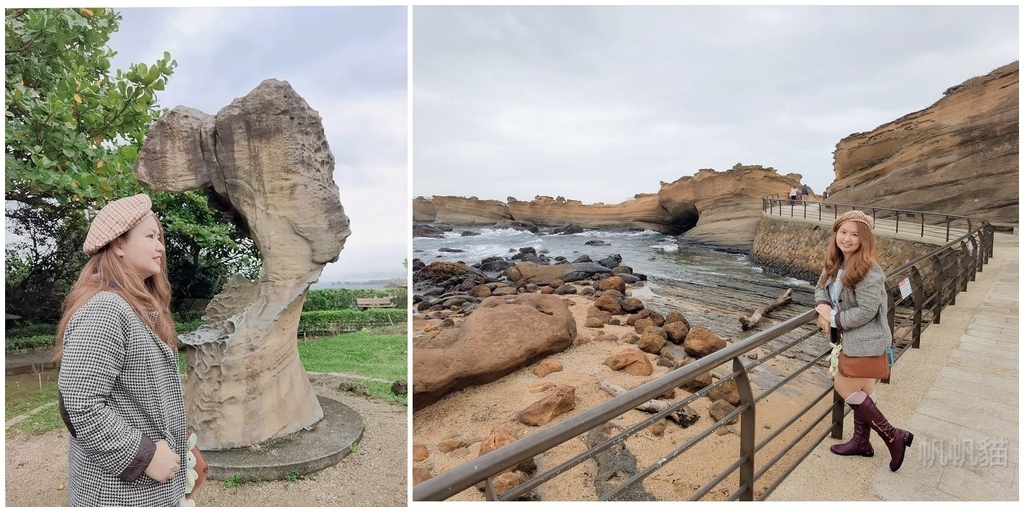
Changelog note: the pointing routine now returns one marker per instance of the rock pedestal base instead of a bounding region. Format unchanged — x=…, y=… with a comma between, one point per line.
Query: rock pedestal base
x=320, y=446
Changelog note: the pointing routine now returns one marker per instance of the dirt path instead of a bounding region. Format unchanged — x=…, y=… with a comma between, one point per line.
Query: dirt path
x=375, y=475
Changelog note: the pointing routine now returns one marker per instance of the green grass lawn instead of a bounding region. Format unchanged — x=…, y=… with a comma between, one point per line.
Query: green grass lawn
x=379, y=358
x=382, y=358
x=22, y=394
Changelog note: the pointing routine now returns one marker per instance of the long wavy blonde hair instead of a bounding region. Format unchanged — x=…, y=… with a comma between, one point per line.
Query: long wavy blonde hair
x=106, y=272
x=860, y=262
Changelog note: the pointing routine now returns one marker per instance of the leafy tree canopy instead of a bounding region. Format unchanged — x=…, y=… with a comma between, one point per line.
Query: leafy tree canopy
x=74, y=129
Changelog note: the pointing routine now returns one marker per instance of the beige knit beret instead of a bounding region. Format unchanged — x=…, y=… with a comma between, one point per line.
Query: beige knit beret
x=856, y=216
x=114, y=219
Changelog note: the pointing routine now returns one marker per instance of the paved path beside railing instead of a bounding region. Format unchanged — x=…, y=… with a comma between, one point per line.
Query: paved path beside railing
x=958, y=394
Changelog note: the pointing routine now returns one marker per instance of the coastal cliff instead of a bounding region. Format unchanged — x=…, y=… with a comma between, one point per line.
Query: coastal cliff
x=717, y=208
x=959, y=156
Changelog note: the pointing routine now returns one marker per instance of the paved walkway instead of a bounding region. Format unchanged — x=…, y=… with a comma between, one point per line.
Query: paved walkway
x=958, y=394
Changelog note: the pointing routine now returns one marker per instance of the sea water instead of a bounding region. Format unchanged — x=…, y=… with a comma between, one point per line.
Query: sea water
x=697, y=279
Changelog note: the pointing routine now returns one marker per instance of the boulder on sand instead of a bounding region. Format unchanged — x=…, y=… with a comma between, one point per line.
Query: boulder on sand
x=544, y=274
x=490, y=344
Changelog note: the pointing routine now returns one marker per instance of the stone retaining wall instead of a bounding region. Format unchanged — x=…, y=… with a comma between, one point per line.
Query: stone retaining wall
x=797, y=248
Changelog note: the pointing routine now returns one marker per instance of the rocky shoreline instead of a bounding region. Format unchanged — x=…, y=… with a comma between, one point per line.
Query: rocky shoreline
x=547, y=335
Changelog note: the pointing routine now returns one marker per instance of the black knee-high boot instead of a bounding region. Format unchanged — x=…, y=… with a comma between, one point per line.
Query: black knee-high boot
x=896, y=440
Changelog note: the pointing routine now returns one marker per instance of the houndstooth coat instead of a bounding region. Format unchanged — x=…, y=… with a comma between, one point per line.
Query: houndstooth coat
x=120, y=393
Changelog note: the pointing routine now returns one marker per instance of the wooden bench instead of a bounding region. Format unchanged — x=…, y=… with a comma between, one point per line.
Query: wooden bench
x=366, y=303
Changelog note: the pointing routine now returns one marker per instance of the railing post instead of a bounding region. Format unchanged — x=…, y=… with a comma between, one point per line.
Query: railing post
x=891, y=318
x=990, y=234
x=962, y=267
x=922, y=225
x=490, y=494
x=975, y=255
x=918, y=284
x=748, y=431
x=939, y=289
x=947, y=228
x=897, y=221
x=948, y=279
x=838, y=408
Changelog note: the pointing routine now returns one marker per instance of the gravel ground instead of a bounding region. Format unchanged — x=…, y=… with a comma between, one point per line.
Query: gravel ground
x=375, y=475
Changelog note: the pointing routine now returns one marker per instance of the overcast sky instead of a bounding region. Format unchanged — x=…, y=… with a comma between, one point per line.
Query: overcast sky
x=348, y=63
x=601, y=103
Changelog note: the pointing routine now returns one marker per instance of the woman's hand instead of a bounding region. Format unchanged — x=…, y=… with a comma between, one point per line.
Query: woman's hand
x=165, y=463
x=824, y=317
x=824, y=324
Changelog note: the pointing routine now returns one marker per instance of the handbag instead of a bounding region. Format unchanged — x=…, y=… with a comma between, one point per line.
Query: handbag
x=869, y=367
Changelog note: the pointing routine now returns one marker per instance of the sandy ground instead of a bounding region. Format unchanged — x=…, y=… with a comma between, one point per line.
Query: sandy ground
x=375, y=475
x=471, y=414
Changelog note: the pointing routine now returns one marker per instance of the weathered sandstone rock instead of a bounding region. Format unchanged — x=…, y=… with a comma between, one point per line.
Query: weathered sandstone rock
x=547, y=367
x=420, y=475
x=544, y=274
x=676, y=331
x=720, y=409
x=697, y=383
x=701, y=342
x=630, y=360
x=631, y=305
x=961, y=155
x=727, y=391
x=543, y=411
x=420, y=453
x=458, y=210
x=490, y=343
x=499, y=436
x=611, y=283
x=264, y=159
x=651, y=342
x=450, y=443
x=610, y=303
x=718, y=208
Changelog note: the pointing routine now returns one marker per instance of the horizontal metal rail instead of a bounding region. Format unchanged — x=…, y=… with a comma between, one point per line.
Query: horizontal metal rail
x=939, y=225
x=918, y=291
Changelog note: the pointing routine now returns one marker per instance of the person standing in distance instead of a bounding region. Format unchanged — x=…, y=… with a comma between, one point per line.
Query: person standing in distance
x=851, y=298
x=119, y=391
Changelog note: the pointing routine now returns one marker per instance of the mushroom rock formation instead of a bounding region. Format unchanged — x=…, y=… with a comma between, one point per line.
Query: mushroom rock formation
x=265, y=159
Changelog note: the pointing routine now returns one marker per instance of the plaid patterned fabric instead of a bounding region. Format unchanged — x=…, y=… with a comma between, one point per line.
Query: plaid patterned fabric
x=119, y=382
x=115, y=219
x=862, y=314
x=854, y=215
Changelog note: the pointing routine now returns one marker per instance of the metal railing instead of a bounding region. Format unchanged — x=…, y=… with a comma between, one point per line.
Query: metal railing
x=919, y=290
x=938, y=225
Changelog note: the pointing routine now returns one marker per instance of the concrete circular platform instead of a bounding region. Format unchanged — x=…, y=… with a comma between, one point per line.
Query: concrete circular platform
x=322, y=445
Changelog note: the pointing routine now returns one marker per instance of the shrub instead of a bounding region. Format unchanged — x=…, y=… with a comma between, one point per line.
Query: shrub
x=23, y=331
x=38, y=341
x=183, y=327
x=347, y=320
x=333, y=299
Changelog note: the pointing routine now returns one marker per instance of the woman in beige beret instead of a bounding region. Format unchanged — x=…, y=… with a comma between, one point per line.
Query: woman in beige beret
x=120, y=394
x=851, y=301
